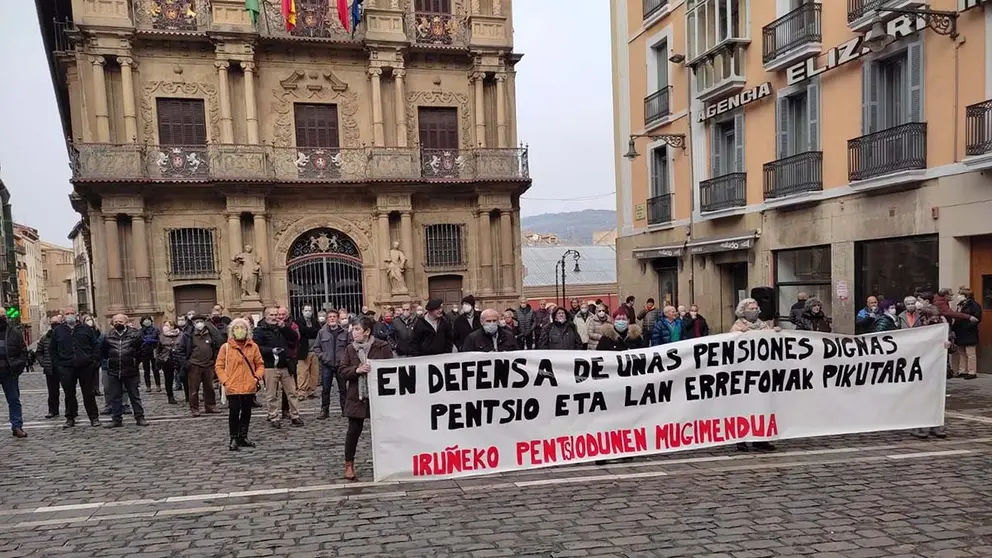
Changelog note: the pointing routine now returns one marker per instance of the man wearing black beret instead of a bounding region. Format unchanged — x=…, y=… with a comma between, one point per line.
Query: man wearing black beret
x=432, y=333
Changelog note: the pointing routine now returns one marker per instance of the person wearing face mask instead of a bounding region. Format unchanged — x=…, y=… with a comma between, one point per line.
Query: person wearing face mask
x=574, y=306
x=355, y=368
x=104, y=372
x=887, y=319
x=308, y=367
x=909, y=317
x=122, y=347
x=403, y=328
x=490, y=337
x=13, y=360
x=649, y=315
x=384, y=328
x=432, y=334
x=44, y=353
x=595, y=326
x=966, y=336
x=165, y=351
x=628, y=308
x=76, y=356
x=580, y=319
x=668, y=329
x=240, y=369
x=199, y=353
x=275, y=336
x=864, y=322
x=467, y=322
x=813, y=318
x=217, y=321
x=420, y=310
x=560, y=335
x=694, y=324
x=98, y=371
x=509, y=321
x=329, y=347
x=526, y=318
x=149, y=339
x=622, y=336
x=748, y=318
x=184, y=328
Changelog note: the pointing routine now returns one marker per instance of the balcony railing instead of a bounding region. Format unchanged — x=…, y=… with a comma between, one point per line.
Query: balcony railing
x=978, y=128
x=896, y=149
x=795, y=29
x=794, y=175
x=660, y=209
x=187, y=16
x=438, y=28
x=857, y=9
x=314, y=20
x=657, y=105
x=652, y=7
x=223, y=162
x=723, y=192
x=63, y=31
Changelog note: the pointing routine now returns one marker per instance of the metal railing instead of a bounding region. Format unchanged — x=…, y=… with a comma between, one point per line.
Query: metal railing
x=192, y=253
x=795, y=29
x=896, y=149
x=794, y=175
x=314, y=20
x=444, y=247
x=63, y=29
x=660, y=209
x=122, y=162
x=857, y=9
x=657, y=105
x=438, y=28
x=187, y=16
x=978, y=128
x=652, y=7
x=723, y=192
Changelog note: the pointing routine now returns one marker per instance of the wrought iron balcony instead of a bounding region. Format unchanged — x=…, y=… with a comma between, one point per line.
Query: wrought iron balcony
x=978, y=128
x=896, y=149
x=185, y=16
x=652, y=7
x=657, y=105
x=794, y=175
x=723, y=192
x=244, y=163
x=859, y=9
x=314, y=21
x=438, y=29
x=660, y=209
x=795, y=29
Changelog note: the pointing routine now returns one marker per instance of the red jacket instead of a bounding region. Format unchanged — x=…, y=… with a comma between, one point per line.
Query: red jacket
x=944, y=306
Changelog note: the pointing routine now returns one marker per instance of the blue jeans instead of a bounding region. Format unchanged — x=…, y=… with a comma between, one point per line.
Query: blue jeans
x=12, y=391
x=327, y=377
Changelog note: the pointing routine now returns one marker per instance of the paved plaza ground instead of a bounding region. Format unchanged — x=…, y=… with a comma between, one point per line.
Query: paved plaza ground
x=173, y=489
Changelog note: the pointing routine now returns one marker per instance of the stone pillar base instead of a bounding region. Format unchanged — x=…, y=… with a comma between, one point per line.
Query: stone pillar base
x=248, y=305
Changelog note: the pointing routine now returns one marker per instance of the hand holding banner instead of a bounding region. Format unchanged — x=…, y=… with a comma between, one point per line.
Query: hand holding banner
x=475, y=413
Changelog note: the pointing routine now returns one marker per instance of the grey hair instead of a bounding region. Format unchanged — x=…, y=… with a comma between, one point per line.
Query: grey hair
x=910, y=300
x=742, y=305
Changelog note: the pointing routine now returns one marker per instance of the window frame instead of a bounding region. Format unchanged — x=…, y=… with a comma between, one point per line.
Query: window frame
x=718, y=134
x=787, y=121
x=194, y=265
x=872, y=119
x=664, y=174
x=191, y=124
x=810, y=284
x=434, y=260
x=314, y=128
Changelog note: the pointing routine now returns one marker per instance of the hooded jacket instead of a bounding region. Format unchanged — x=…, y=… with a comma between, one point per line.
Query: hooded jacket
x=239, y=366
x=613, y=340
x=808, y=321
x=560, y=337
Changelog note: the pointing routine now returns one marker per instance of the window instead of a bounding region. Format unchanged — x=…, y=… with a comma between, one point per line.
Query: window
x=652, y=7
x=893, y=89
x=659, y=172
x=316, y=125
x=438, y=127
x=181, y=122
x=895, y=268
x=435, y=6
x=805, y=270
x=44, y=274
x=712, y=23
x=444, y=246
x=68, y=287
x=721, y=70
x=191, y=252
x=798, y=121
x=727, y=145
x=660, y=52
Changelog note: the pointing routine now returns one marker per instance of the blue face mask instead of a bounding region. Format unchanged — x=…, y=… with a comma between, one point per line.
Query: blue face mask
x=620, y=325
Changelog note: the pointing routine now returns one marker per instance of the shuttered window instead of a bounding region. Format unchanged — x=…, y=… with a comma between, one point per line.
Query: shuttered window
x=893, y=89
x=797, y=118
x=727, y=145
x=316, y=125
x=181, y=122
x=659, y=172
x=436, y=6
x=438, y=128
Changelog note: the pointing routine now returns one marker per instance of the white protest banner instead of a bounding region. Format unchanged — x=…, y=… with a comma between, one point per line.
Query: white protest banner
x=475, y=413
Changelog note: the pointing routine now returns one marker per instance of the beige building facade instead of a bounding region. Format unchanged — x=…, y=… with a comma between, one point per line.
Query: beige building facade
x=217, y=161
x=59, y=271
x=833, y=148
x=81, y=278
x=31, y=279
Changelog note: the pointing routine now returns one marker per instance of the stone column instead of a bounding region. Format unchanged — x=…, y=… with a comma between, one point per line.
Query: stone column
x=383, y=234
x=262, y=249
x=501, y=109
x=398, y=75
x=377, y=129
x=224, y=92
x=127, y=85
x=479, y=79
x=486, y=277
x=251, y=111
x=142, y=267
x=506, y=250
x=115, y=278
x=234, y=234
x=100, y=100
x=406, y=239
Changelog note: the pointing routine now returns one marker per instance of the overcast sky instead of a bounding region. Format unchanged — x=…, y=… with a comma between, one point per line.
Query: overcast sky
x=564, y=111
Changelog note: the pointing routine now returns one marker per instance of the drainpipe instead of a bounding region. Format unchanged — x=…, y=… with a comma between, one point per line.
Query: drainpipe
x=957, y=45
x=692, y=186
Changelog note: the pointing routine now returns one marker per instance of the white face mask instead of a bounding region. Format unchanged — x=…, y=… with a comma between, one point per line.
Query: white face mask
x=321, y=319
x=466, y=308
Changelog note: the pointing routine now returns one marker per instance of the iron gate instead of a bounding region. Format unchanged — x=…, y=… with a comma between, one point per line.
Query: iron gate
x=324, y=271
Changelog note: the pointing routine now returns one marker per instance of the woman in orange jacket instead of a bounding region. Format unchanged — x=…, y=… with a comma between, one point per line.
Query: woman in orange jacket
x=239, y=369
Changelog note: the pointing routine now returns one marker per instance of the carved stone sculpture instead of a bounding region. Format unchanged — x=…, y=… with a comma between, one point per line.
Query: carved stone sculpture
x=396, y=267
x=247, y=269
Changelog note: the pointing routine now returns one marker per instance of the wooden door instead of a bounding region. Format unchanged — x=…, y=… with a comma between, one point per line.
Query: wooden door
x=981, y=284
x=446, y=287
x=198, y=298
x=181, y=122
x=438, y=127
x=316, y=125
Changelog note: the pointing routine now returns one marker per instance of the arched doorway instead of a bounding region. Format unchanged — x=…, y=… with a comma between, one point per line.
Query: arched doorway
x=324, y=270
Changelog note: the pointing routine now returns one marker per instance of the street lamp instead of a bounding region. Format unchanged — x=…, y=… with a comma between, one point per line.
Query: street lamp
x=941, y=22
x=560, y=272
x=676, y=141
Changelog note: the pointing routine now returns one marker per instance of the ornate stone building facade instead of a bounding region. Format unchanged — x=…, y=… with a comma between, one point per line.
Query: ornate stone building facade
x=220, y=161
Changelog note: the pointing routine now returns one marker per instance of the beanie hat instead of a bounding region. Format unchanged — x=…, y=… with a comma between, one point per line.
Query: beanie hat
x=470, y=300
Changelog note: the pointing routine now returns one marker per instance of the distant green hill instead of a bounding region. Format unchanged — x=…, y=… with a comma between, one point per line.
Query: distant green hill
x=573, y=227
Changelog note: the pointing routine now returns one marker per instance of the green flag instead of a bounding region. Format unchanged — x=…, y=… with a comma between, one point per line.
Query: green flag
x=251, y=6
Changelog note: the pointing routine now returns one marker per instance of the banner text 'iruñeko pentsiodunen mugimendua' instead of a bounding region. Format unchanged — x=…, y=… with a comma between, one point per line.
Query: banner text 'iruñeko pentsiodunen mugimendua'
x=475, y=413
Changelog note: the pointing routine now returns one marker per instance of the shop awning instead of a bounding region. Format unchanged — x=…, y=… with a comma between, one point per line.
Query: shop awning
x=736, y=242
x=666, y=251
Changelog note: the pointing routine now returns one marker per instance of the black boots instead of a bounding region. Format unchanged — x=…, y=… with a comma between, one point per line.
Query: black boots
x=233, y=446
x=324, y=414
x=243, y=440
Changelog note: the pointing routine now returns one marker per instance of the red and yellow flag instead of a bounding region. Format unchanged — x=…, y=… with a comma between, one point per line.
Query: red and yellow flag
x=289, y=13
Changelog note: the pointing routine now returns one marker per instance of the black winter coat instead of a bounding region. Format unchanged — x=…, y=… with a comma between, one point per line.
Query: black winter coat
x=123, y=351
x=481, y=342
x=462, y=327
x=966, y=331
x=428, y=341
x=308, y=334
x=17, y=352
x=44, y=352
x=560, y=337
x=269, y=337
x=75, y=347
x=525, y=317
x=693, y=328
x=810, y=322
x=350, y=361
x=613, y=340
x=404, y=335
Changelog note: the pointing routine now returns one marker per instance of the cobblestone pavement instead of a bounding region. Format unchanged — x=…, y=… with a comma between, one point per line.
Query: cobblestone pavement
x=173, y=489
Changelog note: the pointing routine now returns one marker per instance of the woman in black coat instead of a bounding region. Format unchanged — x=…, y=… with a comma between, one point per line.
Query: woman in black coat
x=966, y=336
x=560, y=334
x=623, y=336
